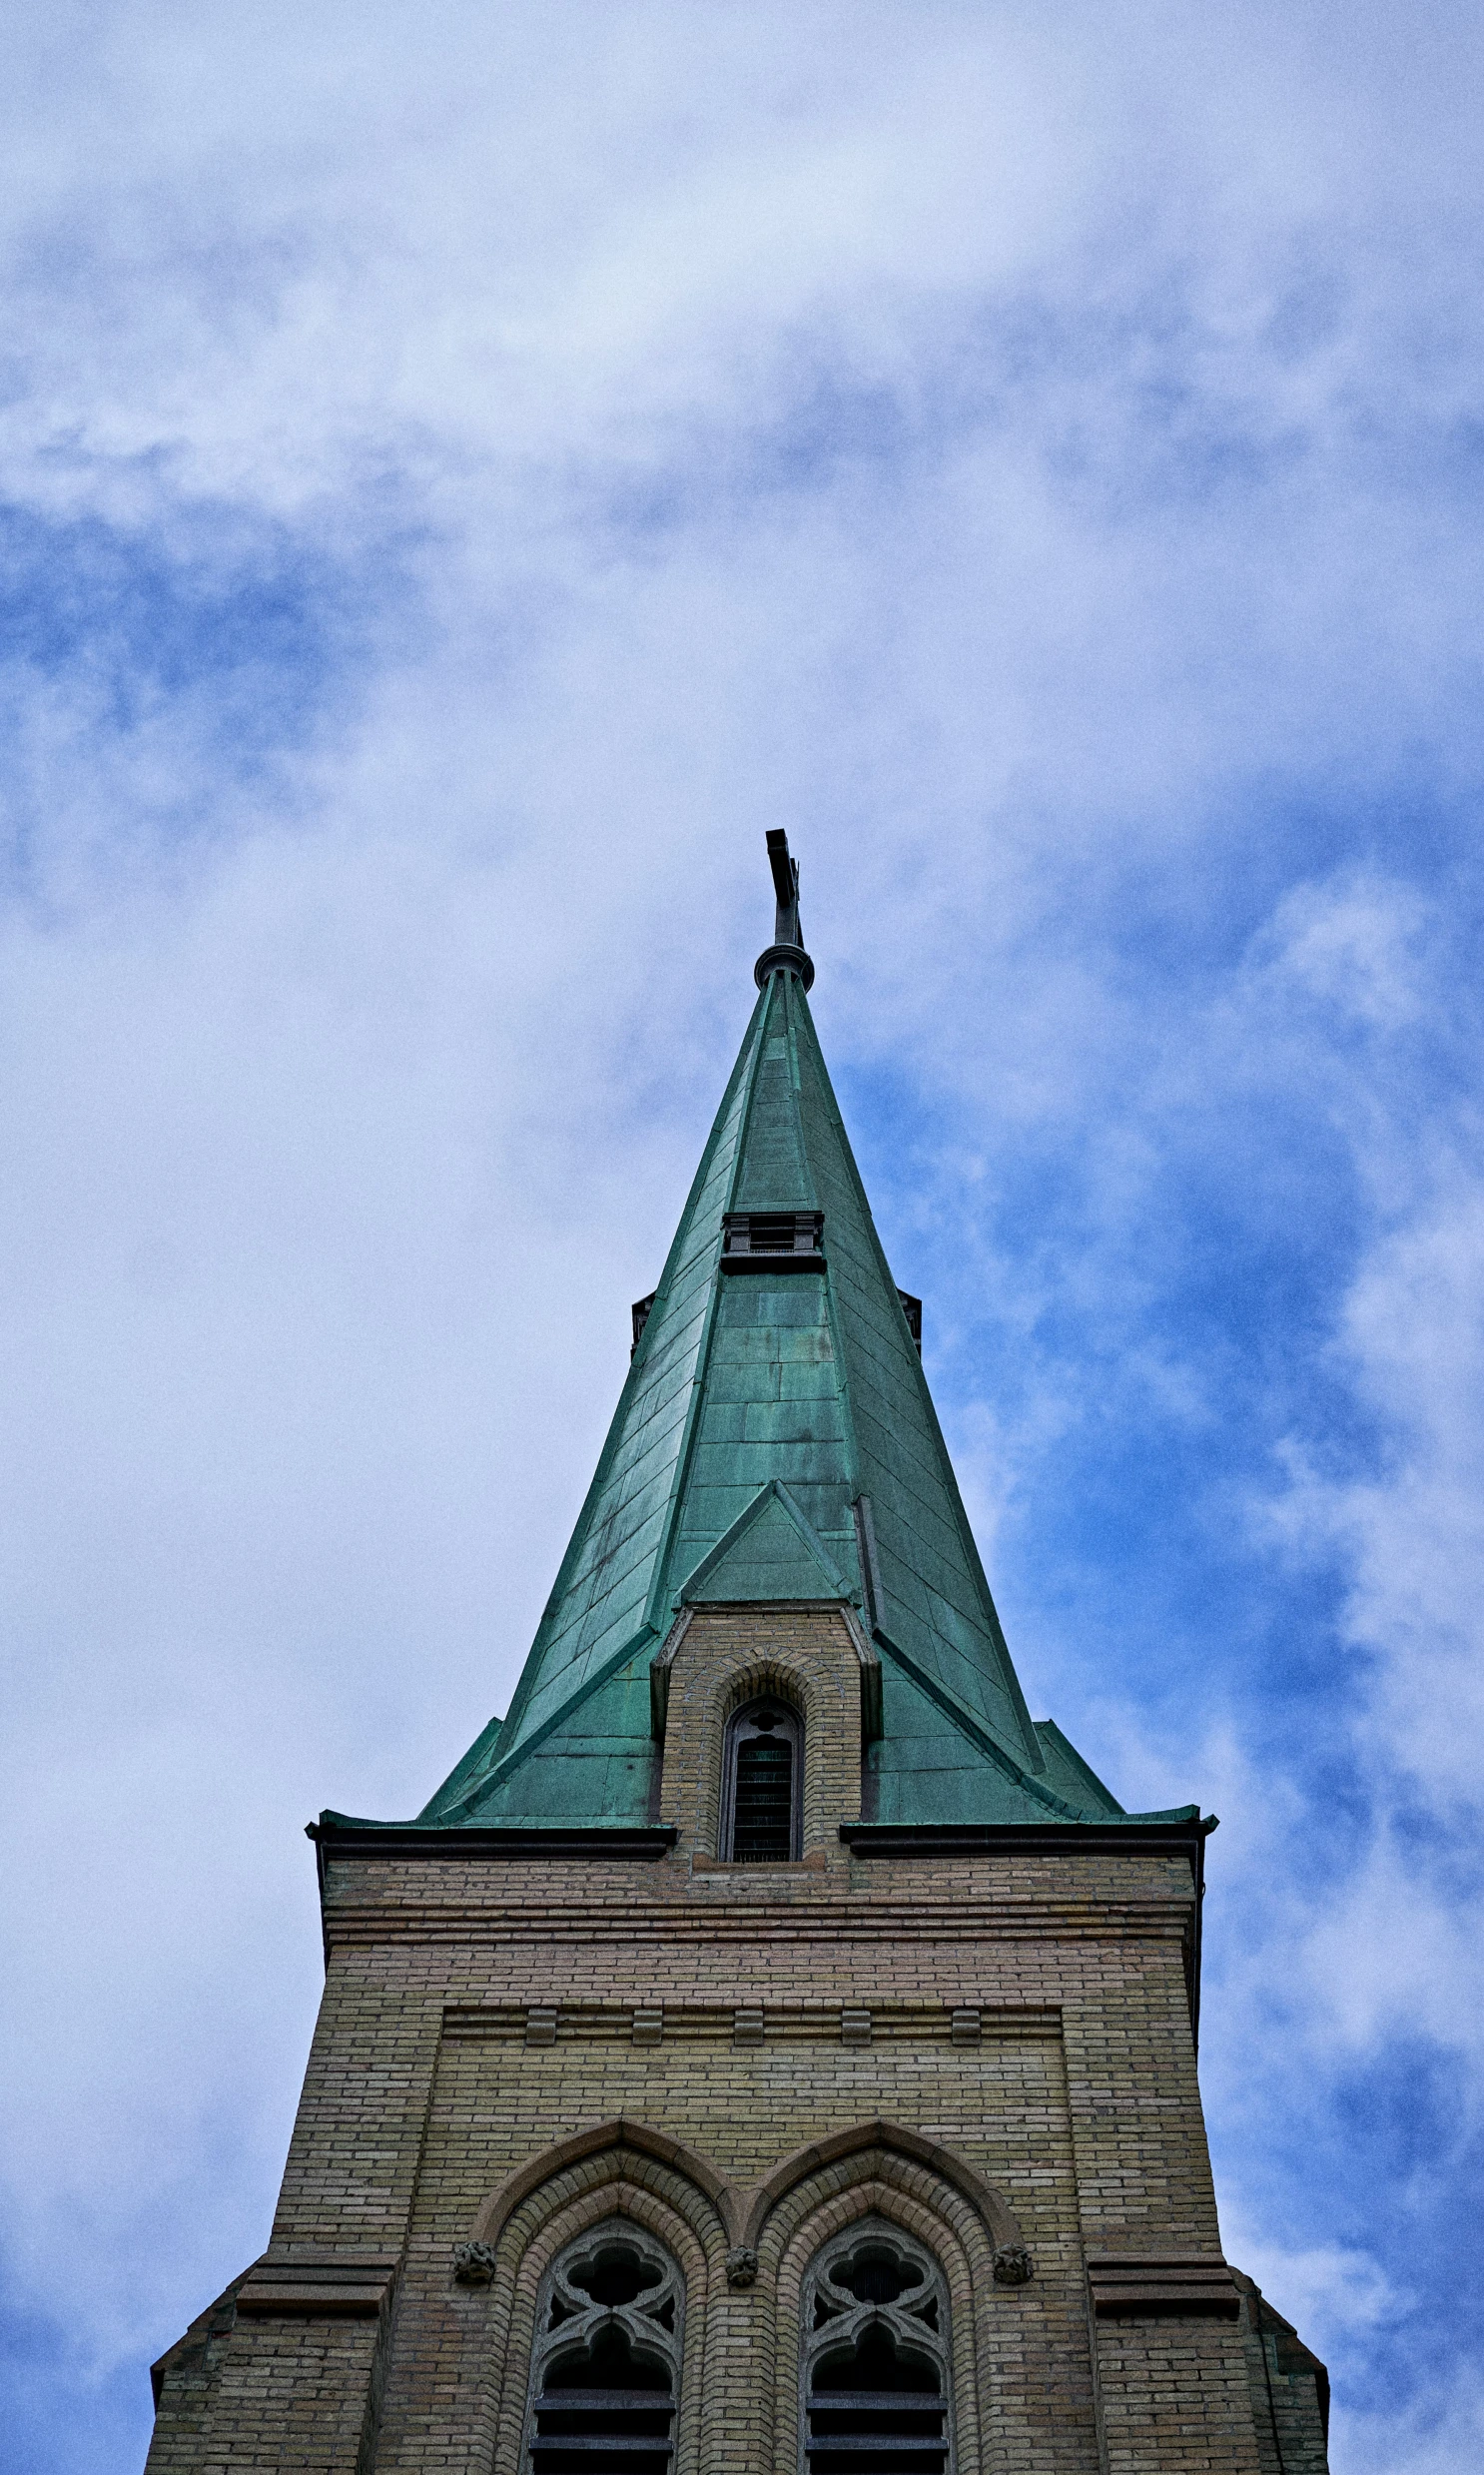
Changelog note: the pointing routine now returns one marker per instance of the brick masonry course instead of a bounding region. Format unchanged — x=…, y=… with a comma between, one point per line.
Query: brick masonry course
x=478, y=2015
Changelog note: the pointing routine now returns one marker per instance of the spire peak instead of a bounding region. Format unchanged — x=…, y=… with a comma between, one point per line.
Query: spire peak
x=786, y=953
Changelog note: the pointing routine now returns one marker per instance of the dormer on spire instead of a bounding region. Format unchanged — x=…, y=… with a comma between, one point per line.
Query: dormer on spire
x=786, y=953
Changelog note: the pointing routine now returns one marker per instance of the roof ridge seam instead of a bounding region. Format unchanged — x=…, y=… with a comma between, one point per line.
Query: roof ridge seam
x=657, y=1601
x=810, y=1535
x=977, y=1736
x=469, y=1767
x=530, y=1674
x=772, y=1490
x=946, y=1473
x=791, y=988
x=518, y=1754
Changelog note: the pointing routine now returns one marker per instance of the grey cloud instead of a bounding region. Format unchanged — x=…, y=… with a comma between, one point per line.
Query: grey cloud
x=1030, y=453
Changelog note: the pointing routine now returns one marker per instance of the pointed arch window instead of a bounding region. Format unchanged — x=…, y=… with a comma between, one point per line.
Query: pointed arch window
x=762, y=1784
x=605, y=2367
x=876, y=2396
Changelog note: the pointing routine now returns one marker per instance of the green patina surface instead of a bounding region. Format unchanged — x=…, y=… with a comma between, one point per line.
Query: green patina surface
x=760, y=1411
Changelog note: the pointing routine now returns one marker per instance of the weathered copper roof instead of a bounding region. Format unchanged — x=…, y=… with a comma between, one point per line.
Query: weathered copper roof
x=775, y=1439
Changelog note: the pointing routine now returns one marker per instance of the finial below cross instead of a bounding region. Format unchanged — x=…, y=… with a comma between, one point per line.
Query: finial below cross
x=786, y=953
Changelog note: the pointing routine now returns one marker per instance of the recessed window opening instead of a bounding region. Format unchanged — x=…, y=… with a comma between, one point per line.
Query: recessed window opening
x=797, y=1234
x=772, y=1232
x=761, y=1785
x=605, y=2369
x=876, y=2395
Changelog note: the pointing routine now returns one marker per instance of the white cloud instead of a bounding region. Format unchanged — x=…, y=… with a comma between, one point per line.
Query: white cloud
x=1437, y=2432
x=1027, y=454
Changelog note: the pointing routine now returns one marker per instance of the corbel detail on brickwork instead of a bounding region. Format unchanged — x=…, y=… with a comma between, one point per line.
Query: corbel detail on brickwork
x=870, y=1658
x=332, y=2284
x=660, y=1667
x=474, y=2264
x=1184, y=2283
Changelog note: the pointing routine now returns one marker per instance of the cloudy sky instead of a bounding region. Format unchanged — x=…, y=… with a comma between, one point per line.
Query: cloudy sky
x=464, y=473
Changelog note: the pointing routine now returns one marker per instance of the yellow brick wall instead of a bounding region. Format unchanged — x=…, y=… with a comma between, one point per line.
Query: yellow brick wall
x=1074, y=2125
x=726, y=1657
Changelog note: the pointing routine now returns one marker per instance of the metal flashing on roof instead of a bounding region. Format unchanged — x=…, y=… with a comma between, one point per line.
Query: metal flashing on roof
x=771, y=1553
x=341, y=1835
x=783, y=958
x=1139, y=1836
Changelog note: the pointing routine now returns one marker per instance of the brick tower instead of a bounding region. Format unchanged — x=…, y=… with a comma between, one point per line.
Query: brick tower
x=770, y=2050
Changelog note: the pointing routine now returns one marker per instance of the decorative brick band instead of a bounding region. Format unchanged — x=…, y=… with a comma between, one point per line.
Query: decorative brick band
x=787, y=1903
x=917, y=2022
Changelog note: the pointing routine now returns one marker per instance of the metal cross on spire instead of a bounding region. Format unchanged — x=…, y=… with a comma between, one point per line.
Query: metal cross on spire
x=786, y=953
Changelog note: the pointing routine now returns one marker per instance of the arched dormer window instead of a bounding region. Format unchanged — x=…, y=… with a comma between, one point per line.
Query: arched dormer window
x=605, y=2366
x=762, y=1784
x=874, y=2382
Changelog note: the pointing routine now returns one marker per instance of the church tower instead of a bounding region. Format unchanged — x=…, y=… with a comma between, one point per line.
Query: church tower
x=770, y=2050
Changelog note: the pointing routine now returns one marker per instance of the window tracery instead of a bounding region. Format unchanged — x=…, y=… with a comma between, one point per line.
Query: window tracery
x=605, y=2366
x=876, y=2390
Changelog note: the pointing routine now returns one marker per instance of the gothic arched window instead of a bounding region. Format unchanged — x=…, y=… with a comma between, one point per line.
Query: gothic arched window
x=762, y=1784
x=876, y=2392
x=605, y=2366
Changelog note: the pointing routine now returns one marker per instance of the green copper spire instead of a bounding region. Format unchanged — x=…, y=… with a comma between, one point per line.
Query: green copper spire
x=775, y=1439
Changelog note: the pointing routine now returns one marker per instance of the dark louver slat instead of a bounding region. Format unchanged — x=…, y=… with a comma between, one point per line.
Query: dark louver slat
x=877, y=2433
x=763, y=1829
x=594, y=2401
x=615, y=2444
x=876, y=2402
x=845, y=2447
x=580, y=2431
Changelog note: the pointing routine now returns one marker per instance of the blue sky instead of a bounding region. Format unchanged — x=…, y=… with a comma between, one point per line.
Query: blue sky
x=462, y=476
